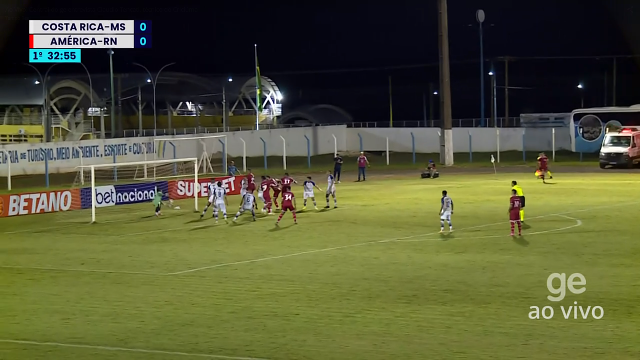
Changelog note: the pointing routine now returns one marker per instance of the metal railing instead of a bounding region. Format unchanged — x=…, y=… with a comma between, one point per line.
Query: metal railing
x=513, y=122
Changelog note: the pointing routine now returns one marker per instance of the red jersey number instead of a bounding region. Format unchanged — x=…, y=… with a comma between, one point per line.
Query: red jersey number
x=288, y=197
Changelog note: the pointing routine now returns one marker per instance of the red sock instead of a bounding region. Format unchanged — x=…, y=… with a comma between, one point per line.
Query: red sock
x=280, y=217
x=294, y=216
x=519, y=227
x=512, y=227
x=269, y=206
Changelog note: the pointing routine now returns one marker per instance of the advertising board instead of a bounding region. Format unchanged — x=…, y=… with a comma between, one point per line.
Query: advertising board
x=39, y=202
x=183, y=189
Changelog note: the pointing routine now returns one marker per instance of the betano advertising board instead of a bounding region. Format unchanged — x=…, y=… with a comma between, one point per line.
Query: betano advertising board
x=109, y=195
x=39, y=202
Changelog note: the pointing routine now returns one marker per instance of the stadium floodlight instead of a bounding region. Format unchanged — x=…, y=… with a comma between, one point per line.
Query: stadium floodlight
x=104, y=180
x=208, y=149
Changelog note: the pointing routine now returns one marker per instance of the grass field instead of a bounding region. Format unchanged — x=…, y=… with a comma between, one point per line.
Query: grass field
x=370, y=280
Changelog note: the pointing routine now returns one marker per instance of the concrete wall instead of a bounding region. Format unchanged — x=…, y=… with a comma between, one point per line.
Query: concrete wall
x=66, y=156
x=482, y=139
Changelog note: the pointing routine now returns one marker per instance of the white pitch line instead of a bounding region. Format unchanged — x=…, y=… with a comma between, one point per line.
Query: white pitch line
x=578, y=223
x=111, y=348
x=299, y=253
x=78, y=270
x=315, y=251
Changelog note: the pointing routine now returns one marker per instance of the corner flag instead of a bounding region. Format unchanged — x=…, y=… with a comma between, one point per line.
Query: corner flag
x=493, y=161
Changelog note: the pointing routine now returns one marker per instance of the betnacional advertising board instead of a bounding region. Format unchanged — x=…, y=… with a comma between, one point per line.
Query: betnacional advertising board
x=110, y=195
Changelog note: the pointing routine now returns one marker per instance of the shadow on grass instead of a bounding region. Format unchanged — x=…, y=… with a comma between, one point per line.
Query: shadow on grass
x=520, y=241
x=280, y=227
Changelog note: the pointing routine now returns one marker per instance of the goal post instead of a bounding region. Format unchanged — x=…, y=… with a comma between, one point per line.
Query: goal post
x=210, y=150
x=7, y=160
x=120, y=184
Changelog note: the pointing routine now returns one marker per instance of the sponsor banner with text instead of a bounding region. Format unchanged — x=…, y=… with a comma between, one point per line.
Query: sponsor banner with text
x=183, y=189
x=112, y=195
x=39, y=202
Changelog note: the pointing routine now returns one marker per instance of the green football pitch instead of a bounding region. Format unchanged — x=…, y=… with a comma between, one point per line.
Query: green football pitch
x=370, y=280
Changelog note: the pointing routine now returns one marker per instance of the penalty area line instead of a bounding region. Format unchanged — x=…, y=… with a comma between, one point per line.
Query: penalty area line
x=315, y=251
x=578, y=223
x=121, y=349
x=400, y=239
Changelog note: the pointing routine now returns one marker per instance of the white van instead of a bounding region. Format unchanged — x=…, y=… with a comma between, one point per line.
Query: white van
x=621, y=148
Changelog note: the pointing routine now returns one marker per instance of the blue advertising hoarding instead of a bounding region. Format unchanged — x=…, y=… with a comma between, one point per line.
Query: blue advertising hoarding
x=122, y=194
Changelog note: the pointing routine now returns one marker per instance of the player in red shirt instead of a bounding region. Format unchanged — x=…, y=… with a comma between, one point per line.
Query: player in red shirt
x=288, y=203
x=287, y=181
x=275, y=186
x=543, y=168
x=515, y=205
x=251, y=185
x=264, y=194
x=251, y=181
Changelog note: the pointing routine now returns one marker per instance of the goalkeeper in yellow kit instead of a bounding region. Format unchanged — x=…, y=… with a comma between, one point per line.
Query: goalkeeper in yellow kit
x=518, y=189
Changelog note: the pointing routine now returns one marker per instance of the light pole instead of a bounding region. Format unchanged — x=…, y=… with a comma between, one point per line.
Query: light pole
x=45, y=96
x=494, y=103
x=432, y=93
x=480, y=18
x=113, y=96
x=224, y=105
x=154, y=83
x=581, y=88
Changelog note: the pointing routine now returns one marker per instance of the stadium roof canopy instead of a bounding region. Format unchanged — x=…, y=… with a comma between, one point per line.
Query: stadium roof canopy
x=171, y=87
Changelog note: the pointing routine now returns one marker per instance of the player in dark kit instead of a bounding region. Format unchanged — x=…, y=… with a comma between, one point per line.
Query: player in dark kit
x=288, y=203
x=515, y=206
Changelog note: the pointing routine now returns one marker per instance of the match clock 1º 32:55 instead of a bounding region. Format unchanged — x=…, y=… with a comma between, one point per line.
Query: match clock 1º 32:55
x=54, y=56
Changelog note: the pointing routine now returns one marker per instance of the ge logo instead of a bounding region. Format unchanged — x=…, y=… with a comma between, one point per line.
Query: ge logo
x=574, y=280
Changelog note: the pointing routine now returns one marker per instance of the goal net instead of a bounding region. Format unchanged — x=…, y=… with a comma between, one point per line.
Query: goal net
x=210, y=150
x=115, y=192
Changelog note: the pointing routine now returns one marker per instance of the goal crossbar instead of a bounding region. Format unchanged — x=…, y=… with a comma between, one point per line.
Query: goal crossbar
x=204, y=160
x=132, y=163
x=92, y=169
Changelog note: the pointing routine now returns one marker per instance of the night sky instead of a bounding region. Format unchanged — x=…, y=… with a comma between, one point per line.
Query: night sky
x=344, y=54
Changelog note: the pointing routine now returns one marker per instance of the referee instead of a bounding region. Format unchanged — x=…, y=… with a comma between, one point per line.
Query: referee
x=518, y=189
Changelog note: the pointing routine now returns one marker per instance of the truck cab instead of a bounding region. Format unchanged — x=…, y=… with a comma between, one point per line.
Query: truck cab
x=620, y=148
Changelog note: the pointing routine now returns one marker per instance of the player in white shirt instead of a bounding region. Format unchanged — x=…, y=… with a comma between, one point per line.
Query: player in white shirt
x=221, y=202
x=243, y=186
x=247, y=204
x=262, y=188
x=211, y=188
x=308, y=187
x=331, y=190
x=446, y=209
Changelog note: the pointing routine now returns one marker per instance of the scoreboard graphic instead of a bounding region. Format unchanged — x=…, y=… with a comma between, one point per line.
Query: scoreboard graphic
x=61, y=41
